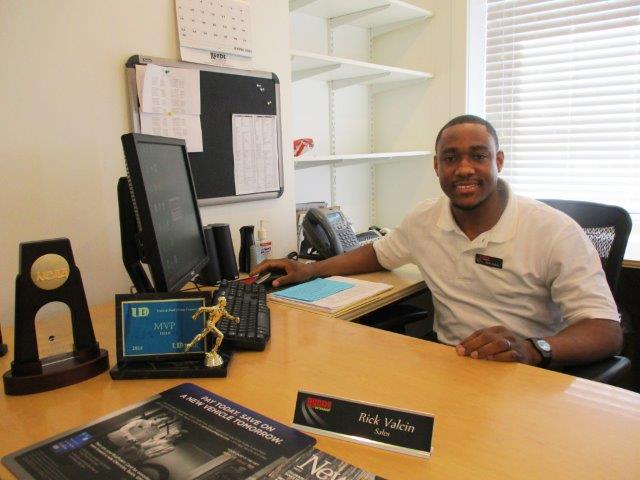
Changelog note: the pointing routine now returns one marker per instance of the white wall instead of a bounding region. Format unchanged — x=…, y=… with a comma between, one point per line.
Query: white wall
x=64, y=108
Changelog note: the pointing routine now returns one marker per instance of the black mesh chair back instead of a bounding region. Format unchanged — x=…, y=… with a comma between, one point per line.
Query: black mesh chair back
x=607, y=226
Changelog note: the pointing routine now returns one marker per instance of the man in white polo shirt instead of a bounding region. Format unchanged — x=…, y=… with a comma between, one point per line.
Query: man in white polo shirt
x=512, y=279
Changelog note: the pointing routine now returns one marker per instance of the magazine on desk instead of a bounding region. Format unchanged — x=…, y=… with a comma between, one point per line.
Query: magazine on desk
x=185, y=433
x=319, y=465
x=360, y=291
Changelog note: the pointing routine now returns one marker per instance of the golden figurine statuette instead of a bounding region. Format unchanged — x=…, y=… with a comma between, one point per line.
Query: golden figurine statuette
x=214, y=314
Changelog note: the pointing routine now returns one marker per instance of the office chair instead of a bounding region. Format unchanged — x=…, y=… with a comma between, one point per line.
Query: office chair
x=608, y=227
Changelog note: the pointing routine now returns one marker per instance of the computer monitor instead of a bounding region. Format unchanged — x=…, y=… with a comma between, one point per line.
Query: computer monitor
x=159, y=217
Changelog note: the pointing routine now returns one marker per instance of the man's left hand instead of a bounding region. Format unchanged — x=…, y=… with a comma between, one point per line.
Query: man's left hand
x=498, y=344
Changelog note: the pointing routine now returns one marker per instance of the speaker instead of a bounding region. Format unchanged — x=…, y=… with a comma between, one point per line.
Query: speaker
x=226, y=254
x=246, y=243
x=210, y=274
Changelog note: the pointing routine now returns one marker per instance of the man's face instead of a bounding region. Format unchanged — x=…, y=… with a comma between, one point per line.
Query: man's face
x=467, y=165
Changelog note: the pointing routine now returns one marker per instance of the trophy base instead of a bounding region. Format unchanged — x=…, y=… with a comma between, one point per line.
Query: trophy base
x=212, y=360
x=175, y=369
x=61, y=371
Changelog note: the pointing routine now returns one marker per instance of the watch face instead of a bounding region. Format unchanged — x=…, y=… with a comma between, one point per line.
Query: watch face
x=544, y=345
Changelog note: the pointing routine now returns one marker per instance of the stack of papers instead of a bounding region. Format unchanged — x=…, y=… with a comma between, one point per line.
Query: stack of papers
x=330, y=295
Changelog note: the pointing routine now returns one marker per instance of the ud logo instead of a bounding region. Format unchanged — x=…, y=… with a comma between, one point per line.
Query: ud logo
x=138, y=312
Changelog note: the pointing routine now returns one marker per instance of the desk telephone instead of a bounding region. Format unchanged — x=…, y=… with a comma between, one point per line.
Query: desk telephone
x=330, y=232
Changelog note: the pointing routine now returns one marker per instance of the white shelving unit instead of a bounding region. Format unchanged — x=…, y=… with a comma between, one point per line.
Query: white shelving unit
x=343, y=72
x=333, y=43
x=381, y=16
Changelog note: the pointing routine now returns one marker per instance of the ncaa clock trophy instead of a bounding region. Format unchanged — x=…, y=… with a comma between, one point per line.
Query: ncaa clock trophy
x=214, y=314
x=48, y=274
x=3, y=347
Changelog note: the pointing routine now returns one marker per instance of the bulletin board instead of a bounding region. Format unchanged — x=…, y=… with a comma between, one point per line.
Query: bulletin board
x=224, y=92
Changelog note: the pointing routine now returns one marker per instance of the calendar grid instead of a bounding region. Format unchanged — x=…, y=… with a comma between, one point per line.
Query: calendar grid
x=215, y=25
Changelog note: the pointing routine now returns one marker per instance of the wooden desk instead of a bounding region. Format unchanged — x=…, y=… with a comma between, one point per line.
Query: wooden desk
x=492, y=420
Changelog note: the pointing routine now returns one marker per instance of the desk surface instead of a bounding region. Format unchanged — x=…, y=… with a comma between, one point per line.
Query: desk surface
x=492, y=420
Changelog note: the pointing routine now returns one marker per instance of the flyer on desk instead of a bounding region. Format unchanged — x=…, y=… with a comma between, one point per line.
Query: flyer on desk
x=318, y=465
x=183, y=433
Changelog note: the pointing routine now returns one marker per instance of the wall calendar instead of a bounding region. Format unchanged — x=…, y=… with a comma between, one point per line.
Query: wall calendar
x=221, y=26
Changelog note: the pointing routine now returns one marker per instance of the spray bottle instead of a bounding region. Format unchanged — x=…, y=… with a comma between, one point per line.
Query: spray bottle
x=264, y=244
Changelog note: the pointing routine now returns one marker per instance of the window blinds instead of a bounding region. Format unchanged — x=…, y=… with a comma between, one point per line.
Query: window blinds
x=563, y=91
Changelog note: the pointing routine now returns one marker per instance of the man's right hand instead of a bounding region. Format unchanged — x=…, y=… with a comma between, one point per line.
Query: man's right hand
x=294, y=272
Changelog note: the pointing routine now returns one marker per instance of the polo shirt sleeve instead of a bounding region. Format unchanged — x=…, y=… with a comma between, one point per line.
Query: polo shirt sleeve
x=578, y=284
x=393, y=249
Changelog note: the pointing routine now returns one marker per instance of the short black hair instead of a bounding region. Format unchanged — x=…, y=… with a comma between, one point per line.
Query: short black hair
x=469, y=119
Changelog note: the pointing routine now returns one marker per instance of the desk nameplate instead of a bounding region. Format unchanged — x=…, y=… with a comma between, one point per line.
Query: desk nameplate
x=402, y=431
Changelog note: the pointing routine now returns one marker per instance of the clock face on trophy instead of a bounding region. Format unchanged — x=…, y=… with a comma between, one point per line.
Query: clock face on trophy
x=48, y=274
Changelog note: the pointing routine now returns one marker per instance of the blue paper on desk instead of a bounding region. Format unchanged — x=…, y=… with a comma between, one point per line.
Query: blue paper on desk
x=313, y=290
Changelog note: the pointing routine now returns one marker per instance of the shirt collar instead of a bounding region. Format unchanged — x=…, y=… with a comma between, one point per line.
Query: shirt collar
x=501, y=232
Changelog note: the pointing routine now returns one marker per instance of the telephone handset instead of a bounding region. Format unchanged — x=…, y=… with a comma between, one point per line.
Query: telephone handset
x=329, y=232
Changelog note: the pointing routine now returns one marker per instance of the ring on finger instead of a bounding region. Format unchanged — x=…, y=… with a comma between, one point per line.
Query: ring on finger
x=508, y=344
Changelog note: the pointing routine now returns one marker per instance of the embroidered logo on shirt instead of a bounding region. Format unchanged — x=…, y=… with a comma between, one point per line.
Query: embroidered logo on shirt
x=489, y=261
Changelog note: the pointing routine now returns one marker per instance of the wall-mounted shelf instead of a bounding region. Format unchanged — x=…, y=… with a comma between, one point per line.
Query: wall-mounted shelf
x=381, y=16
x=333, y=47
x=353, y=159
x=344, y=72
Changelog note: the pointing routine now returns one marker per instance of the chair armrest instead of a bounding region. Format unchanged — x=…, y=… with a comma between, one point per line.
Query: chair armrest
x=610, y=371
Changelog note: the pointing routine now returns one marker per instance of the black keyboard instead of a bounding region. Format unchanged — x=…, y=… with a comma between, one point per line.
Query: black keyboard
x=249, y=302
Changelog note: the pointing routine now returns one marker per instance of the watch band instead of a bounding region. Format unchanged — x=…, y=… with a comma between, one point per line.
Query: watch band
x=544, y=349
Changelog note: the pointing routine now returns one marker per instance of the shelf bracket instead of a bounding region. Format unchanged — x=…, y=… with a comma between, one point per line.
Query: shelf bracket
x=347, y=82
x=385, y=87
x=350, y=17
x=313, y=72
x=389, y=27
x=296, y=4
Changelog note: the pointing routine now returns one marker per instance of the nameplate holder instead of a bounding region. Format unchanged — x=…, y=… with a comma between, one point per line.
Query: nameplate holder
x=388, y=428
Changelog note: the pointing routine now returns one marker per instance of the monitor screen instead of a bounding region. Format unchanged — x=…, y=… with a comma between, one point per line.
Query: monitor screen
x=169, y=237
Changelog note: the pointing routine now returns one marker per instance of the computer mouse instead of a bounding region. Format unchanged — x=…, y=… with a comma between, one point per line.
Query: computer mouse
x=270, y=276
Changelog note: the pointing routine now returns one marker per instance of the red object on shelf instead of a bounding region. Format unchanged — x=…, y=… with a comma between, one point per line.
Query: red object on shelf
x=302, y=145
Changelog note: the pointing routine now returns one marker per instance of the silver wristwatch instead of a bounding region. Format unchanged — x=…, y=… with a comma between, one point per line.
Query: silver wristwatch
x=543, y=347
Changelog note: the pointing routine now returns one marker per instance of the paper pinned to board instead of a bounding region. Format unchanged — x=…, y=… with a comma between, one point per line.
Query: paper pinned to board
x=169, y=100
x=255, y=153
x=176, y=126
x=168, y=90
